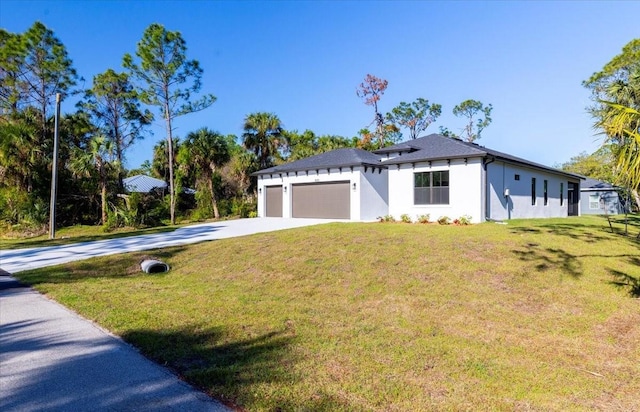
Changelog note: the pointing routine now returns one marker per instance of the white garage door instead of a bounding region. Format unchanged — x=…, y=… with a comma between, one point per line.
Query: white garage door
x=331, y=200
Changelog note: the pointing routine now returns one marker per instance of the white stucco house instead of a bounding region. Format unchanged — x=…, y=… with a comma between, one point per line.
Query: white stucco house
x=434, y=175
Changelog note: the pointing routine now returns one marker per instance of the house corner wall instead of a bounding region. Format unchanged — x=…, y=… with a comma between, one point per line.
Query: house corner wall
x=517, y=180
x=373, y=199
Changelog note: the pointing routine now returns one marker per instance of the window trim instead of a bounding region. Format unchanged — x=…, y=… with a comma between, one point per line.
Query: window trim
x=591, y=203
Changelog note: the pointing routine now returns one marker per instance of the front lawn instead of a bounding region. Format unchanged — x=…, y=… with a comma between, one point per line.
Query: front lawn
x=532, y=315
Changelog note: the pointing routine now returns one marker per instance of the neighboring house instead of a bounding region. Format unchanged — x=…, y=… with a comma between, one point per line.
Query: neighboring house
x=143, y=184
x=600, y=198
x=434, y=175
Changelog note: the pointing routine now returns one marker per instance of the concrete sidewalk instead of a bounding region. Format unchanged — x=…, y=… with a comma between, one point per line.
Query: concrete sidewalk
x=51, y=359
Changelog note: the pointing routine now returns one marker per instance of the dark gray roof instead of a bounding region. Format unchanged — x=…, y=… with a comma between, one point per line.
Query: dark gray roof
x=142, y=183
x=593, y=184
x=432, y=147
x=438, y=147
x=400, y=147
x=336, y=158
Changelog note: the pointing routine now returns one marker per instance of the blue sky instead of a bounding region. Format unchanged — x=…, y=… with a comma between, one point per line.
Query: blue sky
x=303, y=60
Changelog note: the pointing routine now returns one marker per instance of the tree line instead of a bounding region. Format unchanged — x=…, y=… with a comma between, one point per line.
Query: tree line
x=159, y=83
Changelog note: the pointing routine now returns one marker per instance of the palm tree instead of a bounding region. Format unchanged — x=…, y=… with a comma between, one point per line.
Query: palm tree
x=160, y=162
x=24, y=155
x=263, y=136
x=621, y=124
x=204, y=151
x=96, y=159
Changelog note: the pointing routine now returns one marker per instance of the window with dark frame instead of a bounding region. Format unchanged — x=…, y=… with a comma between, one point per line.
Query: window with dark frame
x=517, y=177
x=533, y=191
x=561, y=193
x=431, y=188
x=546, y=192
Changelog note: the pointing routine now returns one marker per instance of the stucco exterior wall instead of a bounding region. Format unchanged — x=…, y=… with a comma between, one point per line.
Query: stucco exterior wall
x=465, y=190
x=374, y=194
x=502, y=176
x=368, y=198
x=610, y=200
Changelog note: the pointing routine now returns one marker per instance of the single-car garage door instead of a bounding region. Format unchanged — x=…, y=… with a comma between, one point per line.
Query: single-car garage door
x=331, y=200
x=273, y=201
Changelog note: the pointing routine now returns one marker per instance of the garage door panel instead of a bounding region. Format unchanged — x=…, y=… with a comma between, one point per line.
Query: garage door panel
x=273, y=201
x=330, y=200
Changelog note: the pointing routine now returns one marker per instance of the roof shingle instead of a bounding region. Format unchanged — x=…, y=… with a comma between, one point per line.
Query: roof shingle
x=336, y=158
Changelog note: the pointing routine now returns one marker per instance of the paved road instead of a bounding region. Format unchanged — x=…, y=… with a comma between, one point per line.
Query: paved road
x=51, y=359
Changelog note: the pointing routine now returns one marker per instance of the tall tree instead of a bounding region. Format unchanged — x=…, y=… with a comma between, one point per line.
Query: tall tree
x=469, y=109
x=167, y=80
x=415, y=116
x=617, y=71
x=36, y=67
x=263, y=135
x=306, y=144
x=236, y=173
x=622, y=122
x=205, y=151
x=113, y=103
x=240, y=167
x=616, y=95
x=598, y=165
x=21, y=150
x=160, y=161
x=98, y=158
x=371, y=90
x=11, y=63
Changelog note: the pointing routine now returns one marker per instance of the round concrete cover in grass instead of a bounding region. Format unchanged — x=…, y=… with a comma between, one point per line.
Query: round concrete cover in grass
x=154, y=266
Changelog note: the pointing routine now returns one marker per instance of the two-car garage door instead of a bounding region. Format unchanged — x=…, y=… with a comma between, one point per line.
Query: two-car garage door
x=328, y=200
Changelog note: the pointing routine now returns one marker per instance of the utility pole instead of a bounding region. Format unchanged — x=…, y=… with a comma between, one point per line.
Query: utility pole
x=54, y=175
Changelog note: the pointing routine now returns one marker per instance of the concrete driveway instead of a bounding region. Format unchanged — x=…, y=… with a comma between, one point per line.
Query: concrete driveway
x=51, y=359
x=17, y=260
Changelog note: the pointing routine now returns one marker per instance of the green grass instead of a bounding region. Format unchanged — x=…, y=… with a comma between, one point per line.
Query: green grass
x=533, y=315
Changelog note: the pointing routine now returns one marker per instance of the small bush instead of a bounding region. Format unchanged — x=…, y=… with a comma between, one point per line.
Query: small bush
x=17, y=207
x=444, y=220
x=405, y=218
x=242, y=208
x=423, y=218
x=253, y=214
x=386, y=218
x=464, y=220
